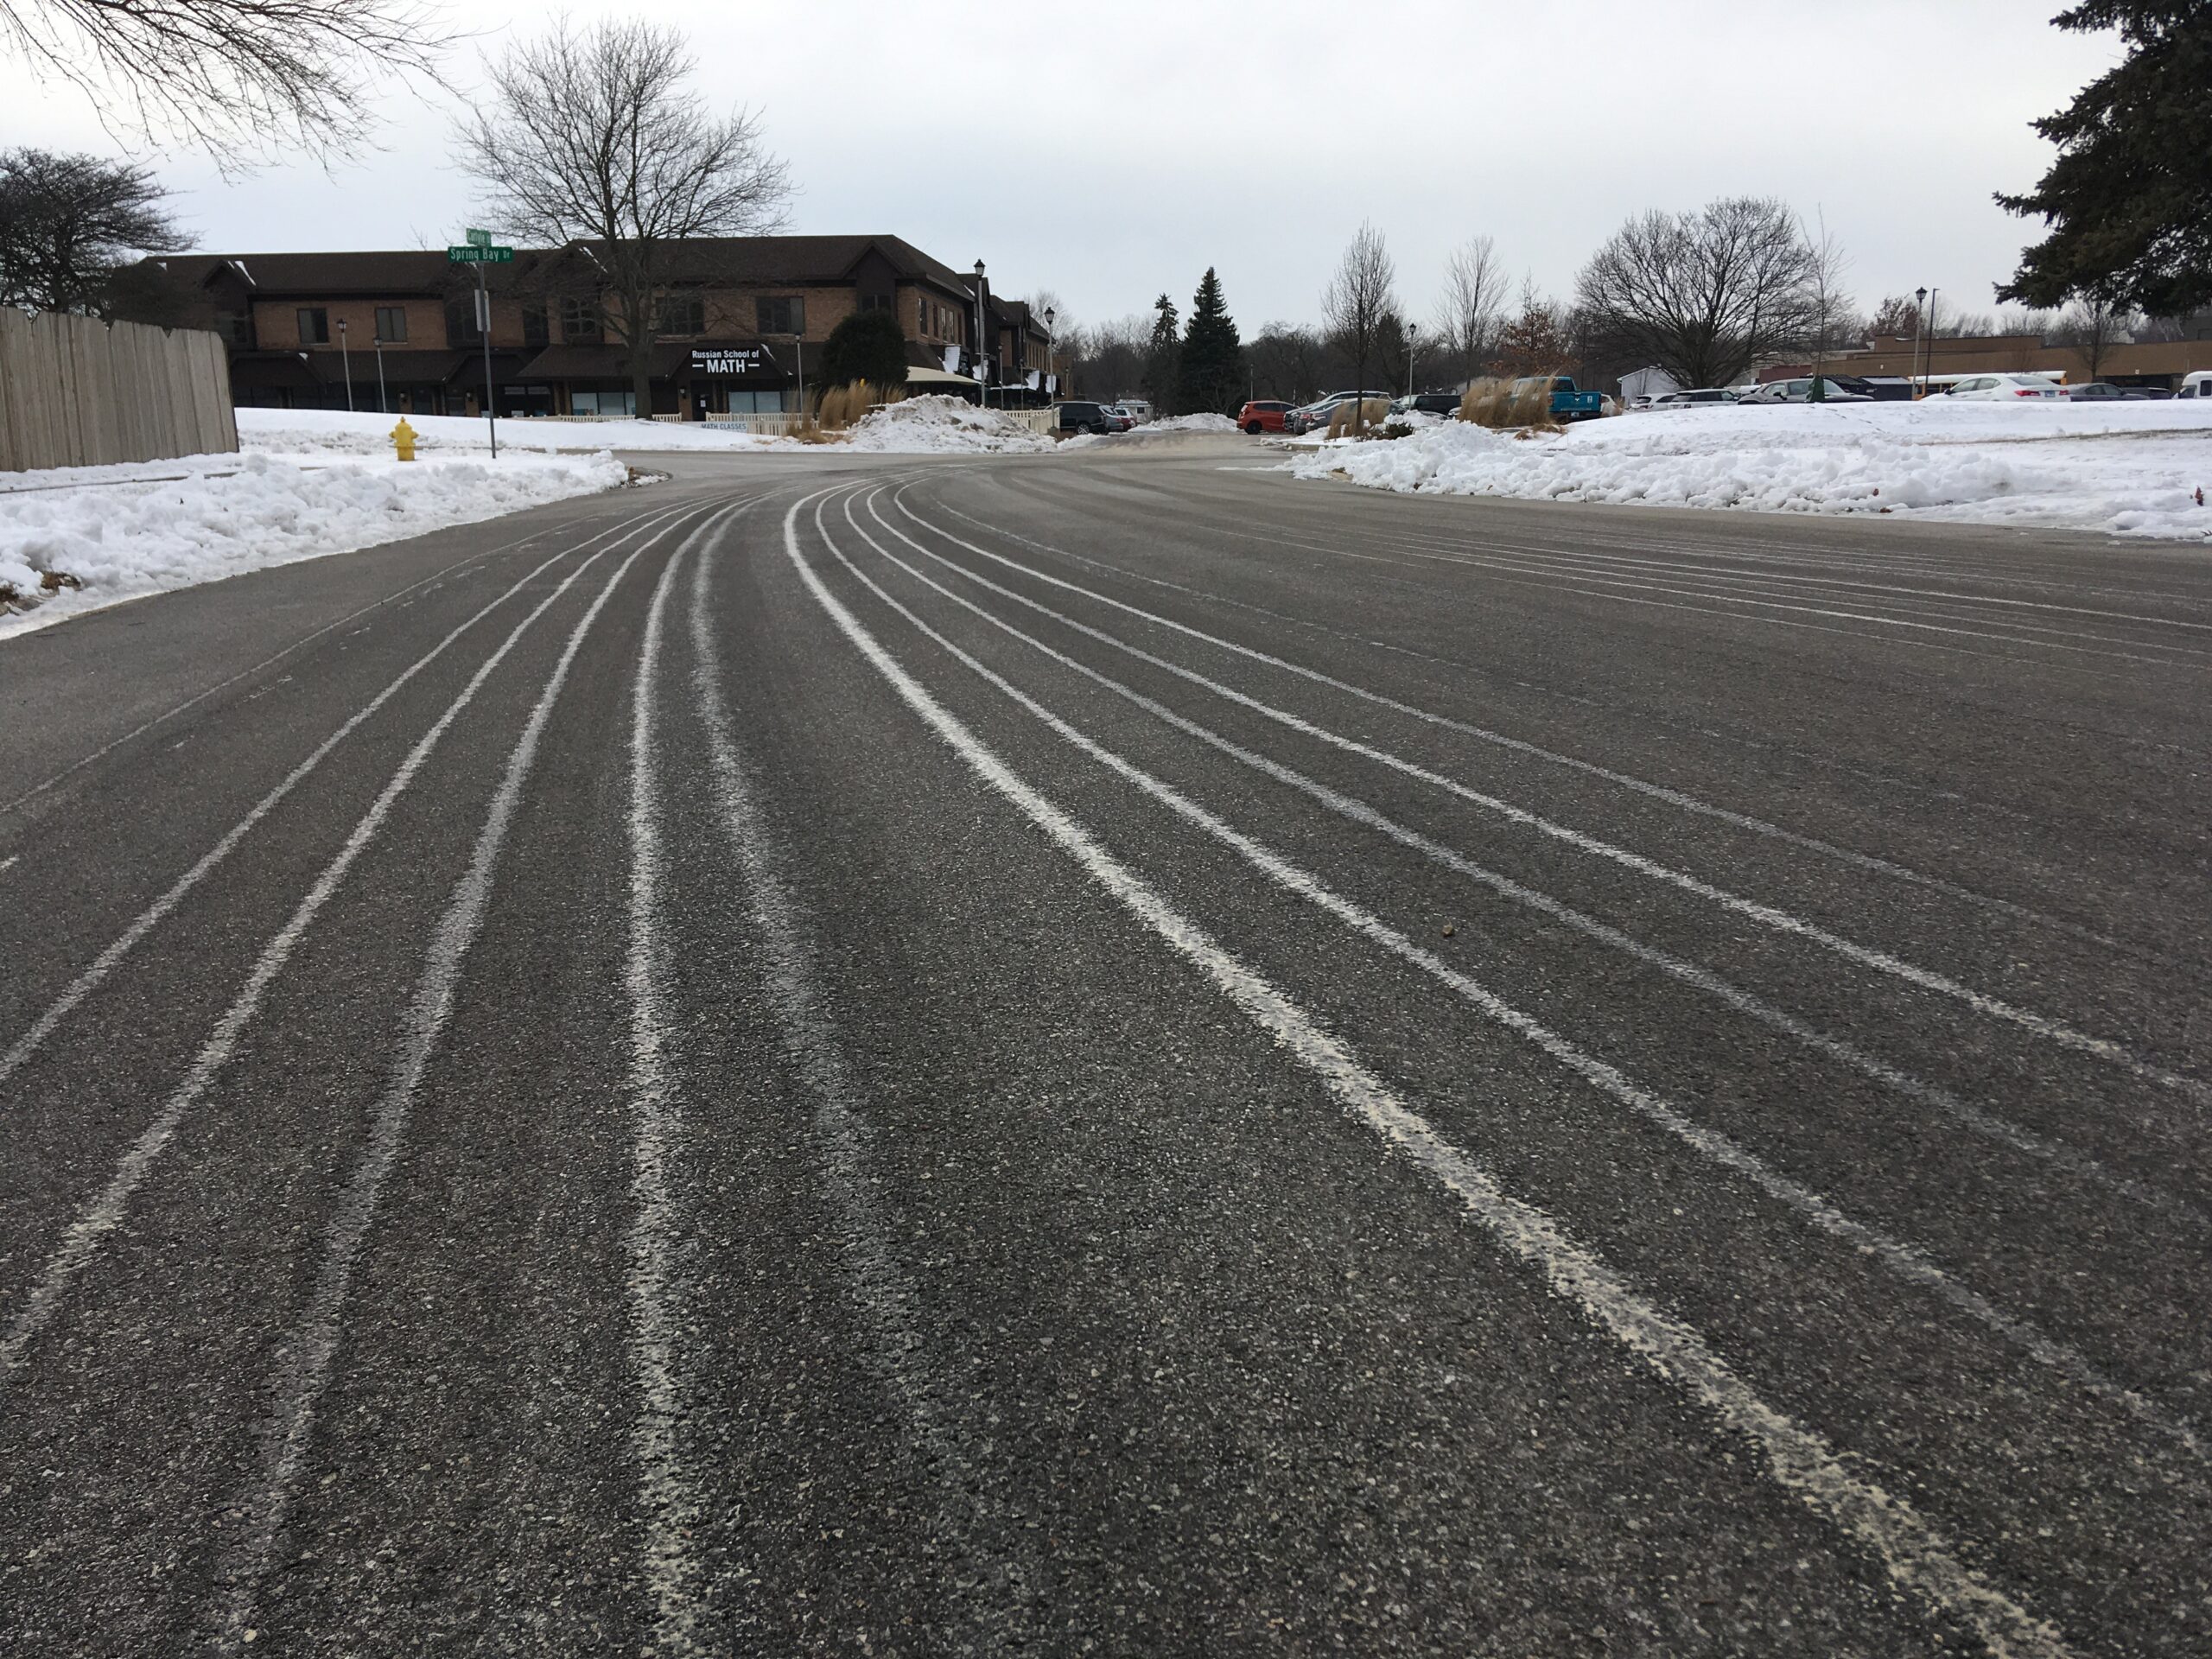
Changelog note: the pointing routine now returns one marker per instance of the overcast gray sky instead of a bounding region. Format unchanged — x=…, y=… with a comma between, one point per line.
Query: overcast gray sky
x=1113, y=150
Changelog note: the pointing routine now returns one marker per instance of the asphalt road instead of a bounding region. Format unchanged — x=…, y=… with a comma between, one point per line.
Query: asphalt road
x=1113, y=1053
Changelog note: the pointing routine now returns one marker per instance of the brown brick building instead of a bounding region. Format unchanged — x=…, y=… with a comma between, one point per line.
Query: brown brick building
x=740, y=319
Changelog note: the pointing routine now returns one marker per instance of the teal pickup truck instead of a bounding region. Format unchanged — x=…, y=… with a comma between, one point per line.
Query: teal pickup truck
x=1567, y=404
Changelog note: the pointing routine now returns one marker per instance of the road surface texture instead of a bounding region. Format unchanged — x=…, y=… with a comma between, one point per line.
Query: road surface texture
x=1113, y=1053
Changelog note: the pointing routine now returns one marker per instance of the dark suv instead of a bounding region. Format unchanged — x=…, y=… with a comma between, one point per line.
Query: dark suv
x=1085, y=417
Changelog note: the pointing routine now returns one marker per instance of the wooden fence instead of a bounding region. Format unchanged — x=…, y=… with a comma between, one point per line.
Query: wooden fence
x=75, y=392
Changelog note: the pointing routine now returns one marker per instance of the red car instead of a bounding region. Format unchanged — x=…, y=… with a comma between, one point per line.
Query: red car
x=1264, y=415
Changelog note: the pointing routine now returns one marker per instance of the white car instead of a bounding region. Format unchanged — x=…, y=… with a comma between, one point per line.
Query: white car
x=1801, y=391
x=1695, y=398
x=2004, y=389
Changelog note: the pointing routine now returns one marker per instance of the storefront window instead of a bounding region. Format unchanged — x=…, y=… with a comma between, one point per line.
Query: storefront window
x=602, y=403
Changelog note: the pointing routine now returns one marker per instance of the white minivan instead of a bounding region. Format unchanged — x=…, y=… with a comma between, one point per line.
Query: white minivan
x=2197, y=383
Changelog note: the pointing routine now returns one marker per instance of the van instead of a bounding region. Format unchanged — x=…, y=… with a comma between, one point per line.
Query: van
x=2197, y=383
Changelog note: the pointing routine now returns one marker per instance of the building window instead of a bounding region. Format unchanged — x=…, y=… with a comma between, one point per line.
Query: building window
x=460, y=321
x=579, y=319
x=602, y=403
x=314, y=326
x=876, y=302
x=785, y=315
x=684, y=313
x=391, y=324
x=237, y=327
x=533, y=324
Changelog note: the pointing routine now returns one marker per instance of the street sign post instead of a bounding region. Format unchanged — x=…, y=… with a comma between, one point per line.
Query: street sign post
x=479, y=252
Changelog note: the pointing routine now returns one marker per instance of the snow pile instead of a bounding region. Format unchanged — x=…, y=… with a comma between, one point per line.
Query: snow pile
x=926, y=426
x=345, y=432
x=1186, y=424
x=123, y=532
x=2128, y=468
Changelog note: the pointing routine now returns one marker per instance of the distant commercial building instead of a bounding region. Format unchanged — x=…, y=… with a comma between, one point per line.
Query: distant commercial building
x=2148, y=363
x=740, y=317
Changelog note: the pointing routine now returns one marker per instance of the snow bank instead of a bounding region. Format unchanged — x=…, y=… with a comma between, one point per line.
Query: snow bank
x=1186, y=424
x=346, y=432
x=2128, y=469
x=926, y=426
x=127, y=532
x=918, y=426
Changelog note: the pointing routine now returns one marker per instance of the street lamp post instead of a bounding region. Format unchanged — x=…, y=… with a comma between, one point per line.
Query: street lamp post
x=346, y=357
x=1052, y=387
x=1919, y=332
x=798, y=365
x=1413, y=351
x=384, y=403
x=982, y=381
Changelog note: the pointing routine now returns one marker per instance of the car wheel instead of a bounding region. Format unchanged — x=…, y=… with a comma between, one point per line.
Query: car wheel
x=1254, y=428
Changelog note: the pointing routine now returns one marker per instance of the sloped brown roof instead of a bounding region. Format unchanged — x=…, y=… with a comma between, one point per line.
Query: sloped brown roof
x=415, y=270
x=800, y=259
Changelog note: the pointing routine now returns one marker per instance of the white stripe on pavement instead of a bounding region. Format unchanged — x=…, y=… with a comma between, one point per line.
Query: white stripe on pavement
x=2051, y=1029
x=1916, y=1555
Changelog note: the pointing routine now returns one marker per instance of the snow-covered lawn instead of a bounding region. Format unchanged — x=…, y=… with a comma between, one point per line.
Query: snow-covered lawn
x=123, y=532
x=918, y=426
x=2130, y=468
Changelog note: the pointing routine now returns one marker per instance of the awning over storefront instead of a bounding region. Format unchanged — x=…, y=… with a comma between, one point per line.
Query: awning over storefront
x=937, y=378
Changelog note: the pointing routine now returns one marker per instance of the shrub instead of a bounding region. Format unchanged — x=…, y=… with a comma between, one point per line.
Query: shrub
x=839, y=407
x=1501, y=403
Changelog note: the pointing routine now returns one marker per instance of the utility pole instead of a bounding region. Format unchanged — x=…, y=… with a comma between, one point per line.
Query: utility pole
x=346, y=357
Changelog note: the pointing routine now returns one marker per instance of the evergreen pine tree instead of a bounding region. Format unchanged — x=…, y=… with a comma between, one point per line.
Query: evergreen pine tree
x=1163, y=360
x=1213, y=358
x=865, y=346
x=2129, y=199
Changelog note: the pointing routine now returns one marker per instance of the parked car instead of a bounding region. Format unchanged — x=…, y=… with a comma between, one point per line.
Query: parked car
x=2002, y=389
x=1445, y=403
x=1695, y=396
x=1136, y=409
x=1801, y=391
x=1262, y=414
x=1119, y=414
x=1082, y=417
x=2197, y=383
x=1319, y=413
x=2100, y=391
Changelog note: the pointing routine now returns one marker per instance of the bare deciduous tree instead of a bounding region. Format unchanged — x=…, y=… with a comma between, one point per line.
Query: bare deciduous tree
x=1835, y=320
x=67, y=223
x=1701, y=295
x=2093, y=325
x=591, y=136
x=236, y=78
x=1472, y=308
x=1357, y=298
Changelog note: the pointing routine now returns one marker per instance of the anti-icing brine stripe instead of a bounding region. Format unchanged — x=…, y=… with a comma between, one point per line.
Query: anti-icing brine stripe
x=1914, y=1553
x=304, y=1364
x=2053, y=1030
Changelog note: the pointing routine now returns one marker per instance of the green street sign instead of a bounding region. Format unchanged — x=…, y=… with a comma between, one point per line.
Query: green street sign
x=478, y=239
x=479, y=255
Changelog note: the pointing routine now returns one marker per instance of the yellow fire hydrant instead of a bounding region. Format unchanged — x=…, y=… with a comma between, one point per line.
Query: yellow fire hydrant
x=402, y=439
